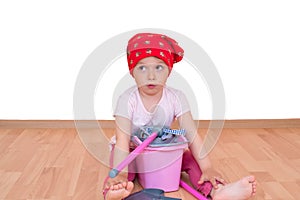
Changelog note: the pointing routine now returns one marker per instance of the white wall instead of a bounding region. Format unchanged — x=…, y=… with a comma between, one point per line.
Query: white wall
x=255, y=46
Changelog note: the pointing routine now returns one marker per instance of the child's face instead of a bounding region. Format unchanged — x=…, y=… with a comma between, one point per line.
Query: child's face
x=150, y=75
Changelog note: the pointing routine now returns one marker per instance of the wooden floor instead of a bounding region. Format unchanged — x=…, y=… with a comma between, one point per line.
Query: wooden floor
x=54, y=163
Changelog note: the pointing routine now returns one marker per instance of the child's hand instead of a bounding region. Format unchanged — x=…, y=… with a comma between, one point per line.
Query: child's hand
x=212, y=176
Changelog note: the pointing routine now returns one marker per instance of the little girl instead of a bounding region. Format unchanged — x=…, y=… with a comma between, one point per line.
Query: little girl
x=150, y=59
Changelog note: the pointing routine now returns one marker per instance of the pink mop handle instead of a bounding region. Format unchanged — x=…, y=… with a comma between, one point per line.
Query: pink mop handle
x=192, y=191
x=114, y=172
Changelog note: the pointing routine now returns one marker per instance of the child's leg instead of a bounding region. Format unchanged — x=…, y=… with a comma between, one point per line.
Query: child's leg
x=190, y=166
x=119, y=191
x=241, y=189
x=131, y=171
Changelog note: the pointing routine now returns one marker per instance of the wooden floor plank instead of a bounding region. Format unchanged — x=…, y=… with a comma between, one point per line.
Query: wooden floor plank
x=55, y=164
x=274, y=190
x=7, y=181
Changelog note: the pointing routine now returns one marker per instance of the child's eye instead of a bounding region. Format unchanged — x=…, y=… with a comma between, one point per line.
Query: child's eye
x=159, y=67
x=142, y=68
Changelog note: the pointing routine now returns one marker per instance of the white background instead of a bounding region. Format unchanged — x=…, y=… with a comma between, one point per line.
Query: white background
x=255, y=46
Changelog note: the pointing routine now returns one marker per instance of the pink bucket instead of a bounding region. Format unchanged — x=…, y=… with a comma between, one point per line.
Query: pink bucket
x=160, y=167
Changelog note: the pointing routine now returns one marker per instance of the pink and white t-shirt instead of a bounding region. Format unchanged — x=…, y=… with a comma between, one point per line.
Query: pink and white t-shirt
x=172, y=104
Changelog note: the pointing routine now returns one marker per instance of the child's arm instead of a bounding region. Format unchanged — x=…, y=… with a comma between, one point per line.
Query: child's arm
x=196, y=144
x=121, y=150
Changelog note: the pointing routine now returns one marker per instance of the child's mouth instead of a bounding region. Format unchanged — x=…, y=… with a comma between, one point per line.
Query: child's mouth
x=151, y=86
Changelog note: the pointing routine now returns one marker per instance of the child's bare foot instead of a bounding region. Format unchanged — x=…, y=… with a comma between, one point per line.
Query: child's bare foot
x=119, y=191
x=240, y=190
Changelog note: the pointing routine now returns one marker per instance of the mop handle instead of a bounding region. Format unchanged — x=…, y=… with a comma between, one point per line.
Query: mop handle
x=115, y=171
x=192, y=191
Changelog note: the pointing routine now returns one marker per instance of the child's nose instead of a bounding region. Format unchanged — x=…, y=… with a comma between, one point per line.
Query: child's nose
x=151, y=75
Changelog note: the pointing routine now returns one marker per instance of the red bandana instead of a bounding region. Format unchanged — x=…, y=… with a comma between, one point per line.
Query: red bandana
x=144, y=45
